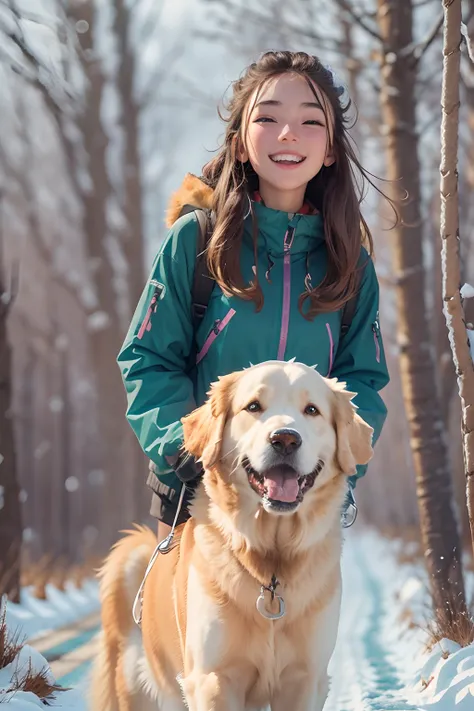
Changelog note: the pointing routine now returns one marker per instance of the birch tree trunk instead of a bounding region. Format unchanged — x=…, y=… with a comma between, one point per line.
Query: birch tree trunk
x=453, y=307
x=417, y=362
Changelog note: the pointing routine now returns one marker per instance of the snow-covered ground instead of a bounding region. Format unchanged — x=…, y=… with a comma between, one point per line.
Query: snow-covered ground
x=35, y=617
x=380, y=662
x=54, y=627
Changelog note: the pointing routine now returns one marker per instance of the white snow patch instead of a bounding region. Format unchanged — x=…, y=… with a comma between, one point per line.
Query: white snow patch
x=470, y=336
x=467, y=291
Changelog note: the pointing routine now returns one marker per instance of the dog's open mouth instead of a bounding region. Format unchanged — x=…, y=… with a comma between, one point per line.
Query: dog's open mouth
x=281, y=486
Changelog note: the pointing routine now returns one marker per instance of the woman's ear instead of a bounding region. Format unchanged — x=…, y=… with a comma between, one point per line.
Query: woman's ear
x=329, y=159
x=241, y=152
x=204, y=427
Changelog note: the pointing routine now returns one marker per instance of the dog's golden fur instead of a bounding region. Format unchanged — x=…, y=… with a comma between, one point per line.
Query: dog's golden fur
x=199, y=610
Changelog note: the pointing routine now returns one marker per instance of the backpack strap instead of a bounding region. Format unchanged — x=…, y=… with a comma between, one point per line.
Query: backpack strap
x=203, y=283
x=349, y=308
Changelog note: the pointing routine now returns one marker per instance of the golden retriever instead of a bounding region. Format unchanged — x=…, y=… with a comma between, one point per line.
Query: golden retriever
x=243, y=612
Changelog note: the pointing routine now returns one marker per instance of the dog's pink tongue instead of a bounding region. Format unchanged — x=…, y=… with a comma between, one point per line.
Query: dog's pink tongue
x=280, y=487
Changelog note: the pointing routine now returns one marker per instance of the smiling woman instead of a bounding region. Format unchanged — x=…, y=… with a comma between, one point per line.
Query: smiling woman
x=282, y=266
x=287, y=139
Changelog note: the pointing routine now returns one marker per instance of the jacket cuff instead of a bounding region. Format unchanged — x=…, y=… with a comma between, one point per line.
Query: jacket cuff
x=187, y=468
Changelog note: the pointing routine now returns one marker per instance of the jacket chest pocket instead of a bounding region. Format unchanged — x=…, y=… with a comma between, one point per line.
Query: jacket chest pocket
x=216, y=330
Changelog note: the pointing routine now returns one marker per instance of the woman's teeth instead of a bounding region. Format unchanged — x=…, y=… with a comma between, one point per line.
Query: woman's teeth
x=286, y=158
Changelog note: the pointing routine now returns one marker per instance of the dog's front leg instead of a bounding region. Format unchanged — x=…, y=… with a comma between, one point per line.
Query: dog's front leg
x=211, y=692
x=308, y=694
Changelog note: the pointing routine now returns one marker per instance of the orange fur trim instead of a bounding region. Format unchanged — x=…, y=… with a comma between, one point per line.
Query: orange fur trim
x=192, y=192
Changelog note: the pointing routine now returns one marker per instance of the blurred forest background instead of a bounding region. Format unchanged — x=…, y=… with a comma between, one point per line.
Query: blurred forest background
x=105, y=105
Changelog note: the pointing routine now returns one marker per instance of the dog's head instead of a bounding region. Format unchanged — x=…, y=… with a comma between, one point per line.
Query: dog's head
x=277, y=431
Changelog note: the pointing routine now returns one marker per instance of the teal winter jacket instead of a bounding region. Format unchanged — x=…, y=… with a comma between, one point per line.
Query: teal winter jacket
x=154, y=359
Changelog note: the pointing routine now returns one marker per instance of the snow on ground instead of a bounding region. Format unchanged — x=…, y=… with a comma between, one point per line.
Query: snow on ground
x=380, y=659
x=34, y=617
x=35, y=620
x=380, y=662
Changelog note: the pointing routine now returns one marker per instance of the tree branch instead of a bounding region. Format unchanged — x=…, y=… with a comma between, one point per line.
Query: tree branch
x=468, y=41
x=359, y=20
x=418, y=49
x=34, y=66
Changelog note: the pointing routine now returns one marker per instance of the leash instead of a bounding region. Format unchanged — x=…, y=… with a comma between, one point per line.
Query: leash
x=163, y=547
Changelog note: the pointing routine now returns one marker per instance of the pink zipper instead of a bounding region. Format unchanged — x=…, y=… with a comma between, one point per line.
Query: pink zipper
x=146, y=324
x=377, y=344
x=285, y=316
x=331, y=349
x=218, y=327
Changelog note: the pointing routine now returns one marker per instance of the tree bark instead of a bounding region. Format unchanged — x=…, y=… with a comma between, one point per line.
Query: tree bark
x=434, y=486
x=130, y=117
x=453, y=307
x=10, y=510
x=107, y=336
x=134, y=240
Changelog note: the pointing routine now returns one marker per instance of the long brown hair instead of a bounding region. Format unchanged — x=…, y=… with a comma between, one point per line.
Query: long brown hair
x=334, y=191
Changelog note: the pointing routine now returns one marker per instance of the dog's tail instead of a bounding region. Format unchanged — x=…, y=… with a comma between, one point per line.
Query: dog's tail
x=120, y=577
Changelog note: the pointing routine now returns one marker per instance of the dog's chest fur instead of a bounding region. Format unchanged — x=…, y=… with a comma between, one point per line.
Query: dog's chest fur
x=225, y=631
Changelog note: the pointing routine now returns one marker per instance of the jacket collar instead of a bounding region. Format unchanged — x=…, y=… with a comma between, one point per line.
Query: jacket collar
x=272, y=224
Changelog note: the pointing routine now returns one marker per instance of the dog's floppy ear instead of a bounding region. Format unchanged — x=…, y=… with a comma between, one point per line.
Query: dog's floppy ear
x=204, y=427
x=354, y=435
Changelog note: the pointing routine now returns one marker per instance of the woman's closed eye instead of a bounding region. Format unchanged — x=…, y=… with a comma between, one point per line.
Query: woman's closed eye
x=310, y=122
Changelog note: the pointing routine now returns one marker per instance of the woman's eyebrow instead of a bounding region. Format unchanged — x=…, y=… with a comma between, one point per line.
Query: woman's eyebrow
x=305, y=104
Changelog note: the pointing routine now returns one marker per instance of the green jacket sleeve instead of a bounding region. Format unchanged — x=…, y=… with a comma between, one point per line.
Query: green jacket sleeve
x=360, y=358
x=153, y=359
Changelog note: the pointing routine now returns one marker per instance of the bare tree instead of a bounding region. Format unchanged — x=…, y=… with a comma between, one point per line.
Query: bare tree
x=453, y=307
x=10, y=518
x=434, y=487
x=132, y=173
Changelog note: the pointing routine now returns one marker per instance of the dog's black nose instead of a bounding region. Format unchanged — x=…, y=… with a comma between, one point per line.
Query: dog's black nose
x=285, y=441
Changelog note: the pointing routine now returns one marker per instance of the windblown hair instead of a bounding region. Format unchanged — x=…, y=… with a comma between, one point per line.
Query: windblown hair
x=334, y=191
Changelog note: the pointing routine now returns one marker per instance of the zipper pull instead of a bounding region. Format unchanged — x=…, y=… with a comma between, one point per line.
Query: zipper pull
x=290, y=233
x=215, y=328
x=288, y=241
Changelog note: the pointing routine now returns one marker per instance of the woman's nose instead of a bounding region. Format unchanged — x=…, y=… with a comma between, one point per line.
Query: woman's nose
x=288, y=134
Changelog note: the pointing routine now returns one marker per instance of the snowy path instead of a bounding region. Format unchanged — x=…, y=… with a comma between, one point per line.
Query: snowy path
x=69, y=649
x=370, y=667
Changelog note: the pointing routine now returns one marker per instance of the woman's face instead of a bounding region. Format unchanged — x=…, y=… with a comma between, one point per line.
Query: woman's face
x=286, y=139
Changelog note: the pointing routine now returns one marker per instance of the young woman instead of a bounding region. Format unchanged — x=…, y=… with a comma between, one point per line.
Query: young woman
x=286, y=255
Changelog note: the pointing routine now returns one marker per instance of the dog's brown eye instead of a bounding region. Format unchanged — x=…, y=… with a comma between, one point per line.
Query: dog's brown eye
x=254, y=406
x=311, y=410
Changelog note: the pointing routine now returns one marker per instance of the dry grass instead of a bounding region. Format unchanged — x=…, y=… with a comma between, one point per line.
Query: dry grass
x=453, y=625
x=37, y=683
x=24, y=680
x=57, y=572
x=10, y=645
x=458, y=628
